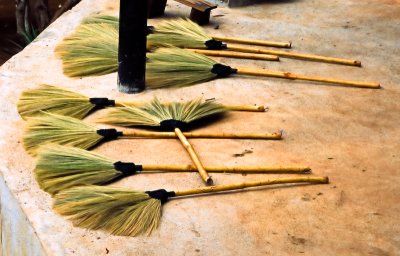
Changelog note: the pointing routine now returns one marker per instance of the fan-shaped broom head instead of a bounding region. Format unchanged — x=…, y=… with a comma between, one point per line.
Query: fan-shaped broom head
x=52, y=128
x=57, y=100
x=167, y=116
x=119, y=211
x=175, y=67
x=61, y=167
x=91, y=50
x=182, y=33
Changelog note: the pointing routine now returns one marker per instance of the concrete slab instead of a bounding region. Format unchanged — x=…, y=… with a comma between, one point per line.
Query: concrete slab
x=348, y=134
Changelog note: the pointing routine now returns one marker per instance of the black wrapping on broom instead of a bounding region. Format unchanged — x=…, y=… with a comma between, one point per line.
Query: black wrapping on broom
x=161, y=194
x=222, y=70
x=127, y=169
x=171, y=124
x=109, y=134
x=102, y=102
x=213, y=44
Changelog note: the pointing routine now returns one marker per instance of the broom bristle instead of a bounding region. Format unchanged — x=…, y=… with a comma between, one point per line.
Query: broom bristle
x=61, y=167
x=180, y=33
x=101, y=18
x=153, y=113
x=91, y=50
x=174, y=67
x=55, y=100
x=52, y=128
x=116, y=210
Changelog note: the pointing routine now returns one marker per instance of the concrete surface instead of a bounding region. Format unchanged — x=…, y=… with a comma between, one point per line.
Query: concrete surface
x=348, y=134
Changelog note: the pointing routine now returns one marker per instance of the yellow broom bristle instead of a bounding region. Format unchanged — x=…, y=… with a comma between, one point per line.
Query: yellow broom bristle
x=174, y=67
x=153, y=113
x=61, y=167
x=120, y=211
x=55, y=100
x=91, y=50
x=101, y=18
x=52, y=128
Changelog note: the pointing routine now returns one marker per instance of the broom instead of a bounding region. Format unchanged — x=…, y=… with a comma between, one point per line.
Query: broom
x=53, y=128
x=169, y=67
x=113, y=20
x=61, y=167
x=187, y=34
x=60, y=101
x=92, y=50
x=129, y=212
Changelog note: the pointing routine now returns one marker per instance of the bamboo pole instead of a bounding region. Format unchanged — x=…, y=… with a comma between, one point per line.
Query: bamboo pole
x=246, y=108
x=288, y=75
x=220, y=188
x=145, y=134
x=240, y=55
x=253, y=42
x=196, y=160
x=230, y=169
x=296, y=55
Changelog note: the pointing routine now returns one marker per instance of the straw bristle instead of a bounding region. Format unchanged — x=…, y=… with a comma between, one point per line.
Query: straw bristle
x=153, y=113
x=55, y=100
x=52, y=128
x=180, y=33
x=174, y=67
x=61, y=167
x=91, y=50
x=116, y=210
x=101, y=18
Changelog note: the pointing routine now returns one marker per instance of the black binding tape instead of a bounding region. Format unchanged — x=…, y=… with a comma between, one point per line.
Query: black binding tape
x=150, y=30
x=127, y=169
x=161, y=194
x=109, y=134
x=213, y=44
x=222, y=70
x=102, y=102
x=171, y=124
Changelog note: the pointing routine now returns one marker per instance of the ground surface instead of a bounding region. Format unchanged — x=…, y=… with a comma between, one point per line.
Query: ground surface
x=348, y=134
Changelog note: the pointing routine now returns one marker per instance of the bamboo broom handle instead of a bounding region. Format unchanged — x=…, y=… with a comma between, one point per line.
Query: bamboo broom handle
x=199, y=166
x=238, y=169
x=144, y=134
x=253, y=42
x=247, y=108
x=220, y=188
x=288, y=75
x=240, y=55
x=296, y=55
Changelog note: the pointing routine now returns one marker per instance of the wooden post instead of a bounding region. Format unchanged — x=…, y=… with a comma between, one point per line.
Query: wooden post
x=132, y=45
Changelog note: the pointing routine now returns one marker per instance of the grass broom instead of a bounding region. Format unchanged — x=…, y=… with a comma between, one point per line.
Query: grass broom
x=61, y=167
x=187, y=34
x=63, y=130
x=127, y=212
x=113, y=20
x=60, y=101
x=175, y=67
x=92, y=50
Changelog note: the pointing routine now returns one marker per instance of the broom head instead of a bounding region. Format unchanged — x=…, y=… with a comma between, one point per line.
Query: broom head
x=59, y=101
x=91, y=50
x=61, y=167
x=119, y=211
x=167, y=116
x=52, y=128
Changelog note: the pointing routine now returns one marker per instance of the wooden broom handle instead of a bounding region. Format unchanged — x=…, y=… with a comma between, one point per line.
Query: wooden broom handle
x=232, y=169
x=247, y=108
x=192, y=153
x=288, y=75
x=253, y=42
x=145, y=134
x=220, y=188
x=296, y=55
x=239, y=55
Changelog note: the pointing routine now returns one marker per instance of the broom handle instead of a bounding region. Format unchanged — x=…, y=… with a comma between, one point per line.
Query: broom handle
x=220, y=188
x=288, y=75
x=265, y=136
x=192, y=153
x=253, y=42
x=236, y=169
x=247, y=108
x=296, y=55
x=240, y=55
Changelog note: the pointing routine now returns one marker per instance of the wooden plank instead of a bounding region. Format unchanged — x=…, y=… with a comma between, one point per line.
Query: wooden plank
x=199, y=5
